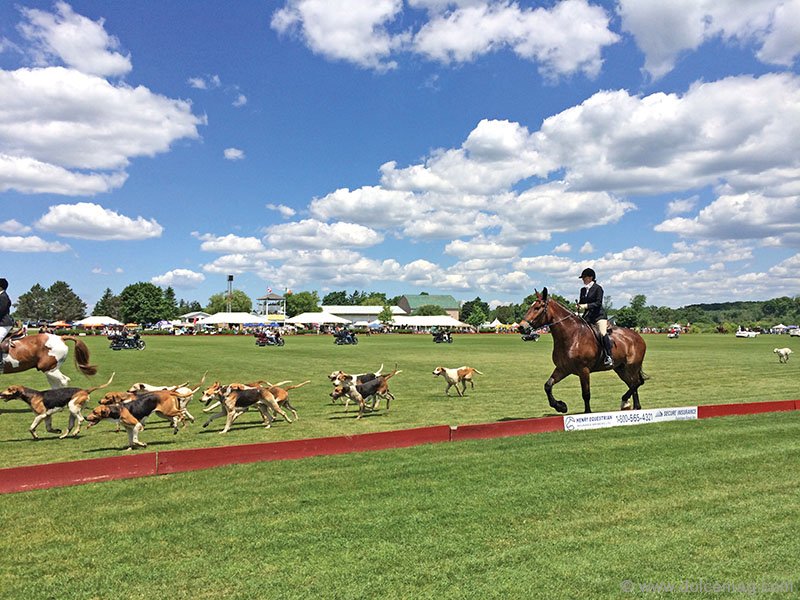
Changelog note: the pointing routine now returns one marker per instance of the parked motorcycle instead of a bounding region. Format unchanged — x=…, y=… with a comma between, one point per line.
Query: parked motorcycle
x=133, y=342
x=270, y=340
x=442, y=337
x=345, y=337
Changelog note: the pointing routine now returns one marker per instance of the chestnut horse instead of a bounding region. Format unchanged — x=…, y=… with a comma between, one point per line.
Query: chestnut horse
x=576, y=351
x=45, y=352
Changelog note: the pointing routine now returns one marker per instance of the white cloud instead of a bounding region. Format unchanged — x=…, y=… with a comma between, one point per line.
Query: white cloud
x=480, y=248
x=681, y=206
x=240, y=100
x=285, y=211
x=587, y=248
x=664, y=30
x=30, y=244
x=204, y=82
x=314, y=234
x=370, y=205
x=14, y=226
x=80, y=43
x=233, y=154
x=565, y=39
x=564, y=248
x=742, y=216
x=229, y=244
x=350, y=30
x=744, y=131
x=93, y=222
x=495, y=155
x=66, y=130
x=179, y=278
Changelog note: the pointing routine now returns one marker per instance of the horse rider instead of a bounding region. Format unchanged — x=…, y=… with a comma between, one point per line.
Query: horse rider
x=6, y=322
x=591, y=303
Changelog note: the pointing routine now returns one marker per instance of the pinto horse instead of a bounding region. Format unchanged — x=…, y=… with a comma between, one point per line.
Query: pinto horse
x=45, y=352
x=576, y=351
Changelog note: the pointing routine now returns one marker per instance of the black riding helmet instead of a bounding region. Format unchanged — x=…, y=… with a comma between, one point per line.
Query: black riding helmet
x=588, y=273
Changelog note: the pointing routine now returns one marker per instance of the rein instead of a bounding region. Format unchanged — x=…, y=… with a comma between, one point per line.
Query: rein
x=565, y=317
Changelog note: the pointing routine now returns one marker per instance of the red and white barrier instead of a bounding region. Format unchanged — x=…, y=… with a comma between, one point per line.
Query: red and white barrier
x=35, y=477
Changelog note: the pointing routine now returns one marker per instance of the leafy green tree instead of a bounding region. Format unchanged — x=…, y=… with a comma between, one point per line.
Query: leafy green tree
x=476, y=317
x=335, y=298
x=626, y=317
x=386, y=316
x=472, y=305
x=34, y=305
x=170, y=309
x=428, y=310
x=240, y=302
x=141, y=302
x=301, y=302
x=506, y=314
x=109, y=305
x=185, y=306
x=65, y=304
x=374, y=299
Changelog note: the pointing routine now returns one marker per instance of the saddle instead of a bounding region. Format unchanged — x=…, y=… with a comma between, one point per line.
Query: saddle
x=8, y=342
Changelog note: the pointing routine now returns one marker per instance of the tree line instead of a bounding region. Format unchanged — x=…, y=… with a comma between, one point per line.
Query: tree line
x=145, y=302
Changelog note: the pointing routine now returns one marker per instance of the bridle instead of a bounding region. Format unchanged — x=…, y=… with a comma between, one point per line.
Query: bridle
x=564, y=318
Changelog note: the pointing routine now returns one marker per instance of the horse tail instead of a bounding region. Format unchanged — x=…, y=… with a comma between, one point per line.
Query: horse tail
x=81, y=355
x=643, y=377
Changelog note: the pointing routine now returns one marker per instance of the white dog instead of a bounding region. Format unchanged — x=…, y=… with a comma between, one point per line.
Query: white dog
x=783, y=354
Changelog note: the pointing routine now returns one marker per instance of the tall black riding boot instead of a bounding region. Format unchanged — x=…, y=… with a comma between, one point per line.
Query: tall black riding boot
x=608, y=361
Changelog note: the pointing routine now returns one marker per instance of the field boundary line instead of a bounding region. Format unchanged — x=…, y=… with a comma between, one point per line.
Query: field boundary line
x=61, y=474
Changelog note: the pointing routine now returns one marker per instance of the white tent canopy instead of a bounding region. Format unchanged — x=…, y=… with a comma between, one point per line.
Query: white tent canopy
x=429, y=321
x=237, y=318
x=321, y=318
x=97, y=321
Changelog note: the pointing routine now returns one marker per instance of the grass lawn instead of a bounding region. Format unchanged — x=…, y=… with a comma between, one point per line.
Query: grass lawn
x=700, y=369
x=554, y=515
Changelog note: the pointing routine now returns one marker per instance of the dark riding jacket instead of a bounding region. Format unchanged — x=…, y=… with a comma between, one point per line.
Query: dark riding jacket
x=5, y=310
x=593, y=299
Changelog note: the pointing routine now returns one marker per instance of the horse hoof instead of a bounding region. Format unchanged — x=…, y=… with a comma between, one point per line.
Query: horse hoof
x=560, y=407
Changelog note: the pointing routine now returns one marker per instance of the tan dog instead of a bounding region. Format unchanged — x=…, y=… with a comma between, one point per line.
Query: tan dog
x=165, y=403
x=374, y=388
x=783, y=354
x=240, y=398
x=133, y=413
x=181, y=389
x=453, y=377
x=45, y=403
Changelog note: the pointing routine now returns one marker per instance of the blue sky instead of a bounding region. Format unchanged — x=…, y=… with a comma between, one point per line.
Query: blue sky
x=475, y=147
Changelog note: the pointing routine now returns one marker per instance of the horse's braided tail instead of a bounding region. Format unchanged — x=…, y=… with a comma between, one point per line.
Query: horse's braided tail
x=643, y=377
x=81, y=356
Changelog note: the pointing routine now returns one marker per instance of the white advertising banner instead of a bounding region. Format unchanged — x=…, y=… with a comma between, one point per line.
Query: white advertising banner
x=628, y=417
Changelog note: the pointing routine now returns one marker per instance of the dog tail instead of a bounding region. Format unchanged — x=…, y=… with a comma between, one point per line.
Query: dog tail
x=379, y=371
x=281, y=384
x=293, y=387
x=392, y=374
x=106, y=384
x=478, y=372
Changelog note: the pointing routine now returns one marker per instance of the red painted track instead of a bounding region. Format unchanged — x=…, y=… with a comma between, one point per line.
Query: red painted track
x=35, y=477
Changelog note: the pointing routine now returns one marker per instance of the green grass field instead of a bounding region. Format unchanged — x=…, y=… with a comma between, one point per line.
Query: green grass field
x=701, y=369
x=557, y=515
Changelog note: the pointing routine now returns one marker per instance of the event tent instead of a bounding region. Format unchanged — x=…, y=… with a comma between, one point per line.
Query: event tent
x=97, y=321
x=233, y=318
x=429, y=321
x=320, y=318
